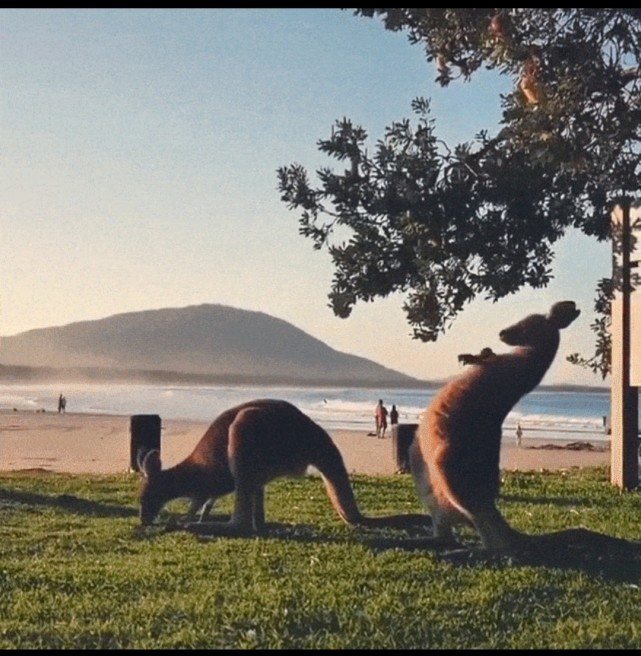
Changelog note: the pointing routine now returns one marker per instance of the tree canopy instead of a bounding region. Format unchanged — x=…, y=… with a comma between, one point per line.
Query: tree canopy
x=445, y=223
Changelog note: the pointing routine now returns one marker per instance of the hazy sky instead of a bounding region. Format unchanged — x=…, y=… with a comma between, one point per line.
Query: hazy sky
x=139, y=155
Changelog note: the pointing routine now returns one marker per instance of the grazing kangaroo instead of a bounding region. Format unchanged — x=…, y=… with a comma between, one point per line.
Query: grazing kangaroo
x=456, y=453
x=245, y=448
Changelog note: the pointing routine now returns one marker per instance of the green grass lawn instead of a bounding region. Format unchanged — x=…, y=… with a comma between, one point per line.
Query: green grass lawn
x=78, y=572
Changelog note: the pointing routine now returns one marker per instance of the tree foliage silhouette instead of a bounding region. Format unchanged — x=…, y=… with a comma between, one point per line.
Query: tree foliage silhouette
x=445, y=223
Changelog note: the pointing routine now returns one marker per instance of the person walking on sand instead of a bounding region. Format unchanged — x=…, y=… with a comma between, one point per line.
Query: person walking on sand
x=519, y=435
x=62, y=402
x=380, y=415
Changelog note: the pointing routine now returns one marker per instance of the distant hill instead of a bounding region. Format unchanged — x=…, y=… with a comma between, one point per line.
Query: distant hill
x=197, y=343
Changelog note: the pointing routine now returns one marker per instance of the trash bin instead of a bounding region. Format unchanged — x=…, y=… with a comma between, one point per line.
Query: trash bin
x=402, y=436
x=145, y=436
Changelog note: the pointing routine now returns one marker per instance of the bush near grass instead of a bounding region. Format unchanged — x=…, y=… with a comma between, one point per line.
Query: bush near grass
x=78, y=572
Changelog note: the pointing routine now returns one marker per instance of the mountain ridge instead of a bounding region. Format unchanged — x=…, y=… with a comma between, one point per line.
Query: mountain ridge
x=206, y=341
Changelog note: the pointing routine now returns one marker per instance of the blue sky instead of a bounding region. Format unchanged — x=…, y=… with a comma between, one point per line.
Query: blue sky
x=139, y=157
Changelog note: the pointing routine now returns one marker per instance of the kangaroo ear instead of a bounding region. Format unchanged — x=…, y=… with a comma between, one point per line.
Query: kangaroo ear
x=151, y=464
x=562, y=314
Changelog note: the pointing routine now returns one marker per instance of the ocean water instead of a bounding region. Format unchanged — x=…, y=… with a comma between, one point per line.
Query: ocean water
x=542, y=413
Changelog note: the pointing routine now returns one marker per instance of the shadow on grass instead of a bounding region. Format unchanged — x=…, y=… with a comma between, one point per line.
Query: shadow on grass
x=577, y=549
x=208, y=531
x=561, y=502
x=593, y=553
x=67, y=502
x=214, y=529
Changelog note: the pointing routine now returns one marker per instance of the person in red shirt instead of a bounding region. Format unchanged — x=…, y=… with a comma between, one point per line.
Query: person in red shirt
x=380, y=415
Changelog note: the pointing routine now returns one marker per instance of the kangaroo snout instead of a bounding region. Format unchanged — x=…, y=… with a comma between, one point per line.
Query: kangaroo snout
x=511, y=336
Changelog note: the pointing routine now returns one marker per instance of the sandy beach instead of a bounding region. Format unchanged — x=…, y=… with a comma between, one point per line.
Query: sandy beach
x=87, y=443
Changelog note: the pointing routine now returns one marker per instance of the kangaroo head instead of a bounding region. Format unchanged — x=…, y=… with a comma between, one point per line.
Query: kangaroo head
x=539, y=329
x=151, y=491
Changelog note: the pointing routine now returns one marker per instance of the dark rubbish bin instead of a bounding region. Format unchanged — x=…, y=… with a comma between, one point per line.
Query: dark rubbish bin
x=402, y=436
x=145, y=436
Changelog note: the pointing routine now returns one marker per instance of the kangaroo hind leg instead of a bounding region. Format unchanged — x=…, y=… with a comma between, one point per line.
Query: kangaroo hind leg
x=244, y=465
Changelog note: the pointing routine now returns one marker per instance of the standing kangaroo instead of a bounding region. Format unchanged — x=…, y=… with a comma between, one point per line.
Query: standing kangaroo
x=456, y=453
x=245, y=448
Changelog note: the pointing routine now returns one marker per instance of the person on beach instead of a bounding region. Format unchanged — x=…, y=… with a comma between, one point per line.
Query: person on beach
x=393, y=416
x=519, y=435
x=62, y=404
x=380, y=416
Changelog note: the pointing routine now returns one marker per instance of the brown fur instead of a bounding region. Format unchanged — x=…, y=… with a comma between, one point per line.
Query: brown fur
x=244, y=449
x=455, y=456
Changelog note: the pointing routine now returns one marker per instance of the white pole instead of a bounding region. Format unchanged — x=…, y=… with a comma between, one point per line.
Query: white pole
x=624, y=472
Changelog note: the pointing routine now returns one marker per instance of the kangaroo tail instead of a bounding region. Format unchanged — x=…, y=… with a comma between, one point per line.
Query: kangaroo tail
x=338, y=486
x=341, y=495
